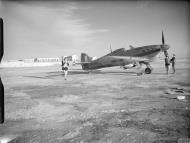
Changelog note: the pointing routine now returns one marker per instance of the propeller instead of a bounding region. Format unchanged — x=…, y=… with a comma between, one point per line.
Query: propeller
x=163, y=46
x=110, y=48
x=163, y=41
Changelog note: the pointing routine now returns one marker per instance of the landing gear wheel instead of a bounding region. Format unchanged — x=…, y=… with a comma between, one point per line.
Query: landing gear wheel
x=148, y=70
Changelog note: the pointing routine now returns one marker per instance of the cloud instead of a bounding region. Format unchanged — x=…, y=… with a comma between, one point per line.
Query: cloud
x=41, y=26
x=77, y=28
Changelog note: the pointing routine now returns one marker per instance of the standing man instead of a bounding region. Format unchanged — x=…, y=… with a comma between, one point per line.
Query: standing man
x=173, y=63
x=65, y=65
x=167, y=64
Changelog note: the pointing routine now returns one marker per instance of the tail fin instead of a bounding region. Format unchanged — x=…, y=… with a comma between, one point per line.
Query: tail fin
x=85, y=60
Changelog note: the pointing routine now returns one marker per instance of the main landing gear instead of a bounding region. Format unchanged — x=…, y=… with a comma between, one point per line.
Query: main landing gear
x=148, y=69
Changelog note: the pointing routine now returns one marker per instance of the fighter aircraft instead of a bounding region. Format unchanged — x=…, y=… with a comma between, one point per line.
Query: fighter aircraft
x=126, y=58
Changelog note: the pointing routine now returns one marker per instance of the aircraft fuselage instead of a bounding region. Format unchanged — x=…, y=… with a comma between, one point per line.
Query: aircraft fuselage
x=127, y=56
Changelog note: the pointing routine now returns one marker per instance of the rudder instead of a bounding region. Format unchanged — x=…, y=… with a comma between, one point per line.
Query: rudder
x=85, y=60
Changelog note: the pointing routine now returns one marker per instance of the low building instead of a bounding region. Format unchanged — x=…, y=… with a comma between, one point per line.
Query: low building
x=28, y=60
x=72, y=58
x=46, y=59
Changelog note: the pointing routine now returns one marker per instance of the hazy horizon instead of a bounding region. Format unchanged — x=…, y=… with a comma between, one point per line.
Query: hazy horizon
x=56, y=28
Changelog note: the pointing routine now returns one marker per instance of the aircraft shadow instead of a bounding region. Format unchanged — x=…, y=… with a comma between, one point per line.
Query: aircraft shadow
x=101, y=72
x=77, y=72
x=41, y=77
x=161, y=73
x=50, y=75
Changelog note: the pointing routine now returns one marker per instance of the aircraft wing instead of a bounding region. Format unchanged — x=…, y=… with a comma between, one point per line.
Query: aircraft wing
x=136, y=59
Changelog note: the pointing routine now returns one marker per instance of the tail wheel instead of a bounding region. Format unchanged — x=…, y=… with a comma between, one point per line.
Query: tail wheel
x=148, y=70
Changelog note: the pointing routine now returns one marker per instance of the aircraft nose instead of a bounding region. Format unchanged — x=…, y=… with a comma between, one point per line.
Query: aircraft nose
x=165, y=47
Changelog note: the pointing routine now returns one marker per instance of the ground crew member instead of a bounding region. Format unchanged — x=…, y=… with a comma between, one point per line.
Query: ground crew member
x=65, y=65
x=173, y=63
x=167, y=64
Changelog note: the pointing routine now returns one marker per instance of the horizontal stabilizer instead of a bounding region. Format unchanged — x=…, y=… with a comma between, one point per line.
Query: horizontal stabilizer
x=81, y=62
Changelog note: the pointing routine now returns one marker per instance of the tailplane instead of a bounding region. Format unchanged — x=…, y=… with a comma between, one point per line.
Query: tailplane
x=85, y=60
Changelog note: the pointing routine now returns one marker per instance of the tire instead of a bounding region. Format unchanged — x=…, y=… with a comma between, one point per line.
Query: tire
x=148, y=71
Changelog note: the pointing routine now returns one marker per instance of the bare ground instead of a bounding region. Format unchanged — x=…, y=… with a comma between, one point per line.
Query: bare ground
x=106, y=106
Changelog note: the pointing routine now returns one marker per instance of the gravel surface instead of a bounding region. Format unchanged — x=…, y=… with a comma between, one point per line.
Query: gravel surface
x=106, y=106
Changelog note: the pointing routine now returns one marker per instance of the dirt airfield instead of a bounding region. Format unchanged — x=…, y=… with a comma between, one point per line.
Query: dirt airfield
x=107, y=106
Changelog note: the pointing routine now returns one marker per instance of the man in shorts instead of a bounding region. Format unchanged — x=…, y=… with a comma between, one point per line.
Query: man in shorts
x=173, y=63
x=65, y=65
x=167, y=64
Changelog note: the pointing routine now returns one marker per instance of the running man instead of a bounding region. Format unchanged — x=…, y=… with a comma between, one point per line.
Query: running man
x=65, y=65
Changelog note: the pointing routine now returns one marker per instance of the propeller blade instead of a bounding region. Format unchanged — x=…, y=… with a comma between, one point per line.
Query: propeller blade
x=110, y=48
x=166, y=53
x=163, y=41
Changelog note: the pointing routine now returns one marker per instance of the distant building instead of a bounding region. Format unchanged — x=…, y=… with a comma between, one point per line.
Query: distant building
x=28, y=60
x=46, y=59
x=94, y=58
x=72, y=58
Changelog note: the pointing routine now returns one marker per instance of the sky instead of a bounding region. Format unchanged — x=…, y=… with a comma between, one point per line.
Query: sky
x=58, y=28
